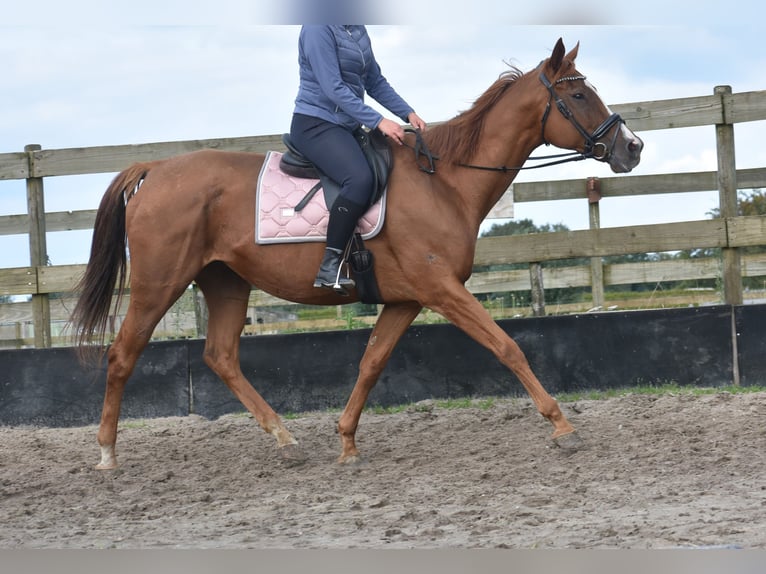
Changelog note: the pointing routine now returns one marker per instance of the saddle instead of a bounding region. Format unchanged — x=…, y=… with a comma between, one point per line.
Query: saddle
x=376, y=149
x=378, y=153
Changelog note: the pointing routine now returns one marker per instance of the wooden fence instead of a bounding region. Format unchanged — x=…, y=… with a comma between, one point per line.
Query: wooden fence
x=729, y=232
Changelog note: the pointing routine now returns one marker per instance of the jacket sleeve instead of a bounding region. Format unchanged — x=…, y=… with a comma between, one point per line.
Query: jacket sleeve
x=319, y=49
x=382, y=92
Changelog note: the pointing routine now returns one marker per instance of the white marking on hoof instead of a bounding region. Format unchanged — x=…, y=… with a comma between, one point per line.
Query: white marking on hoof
x=108, y=459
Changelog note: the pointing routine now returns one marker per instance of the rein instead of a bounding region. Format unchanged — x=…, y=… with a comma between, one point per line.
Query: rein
x=591, y=139
x=421, y=149
x=569, y=156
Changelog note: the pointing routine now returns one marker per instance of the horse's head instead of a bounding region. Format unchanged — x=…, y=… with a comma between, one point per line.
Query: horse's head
x=576, y=118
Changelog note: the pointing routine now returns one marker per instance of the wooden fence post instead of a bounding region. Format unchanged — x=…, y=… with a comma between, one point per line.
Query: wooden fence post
x=538, y=289
x=200, y=311
x=593, y=190
x=727, y=193
x=727, y=197
x=38, y=250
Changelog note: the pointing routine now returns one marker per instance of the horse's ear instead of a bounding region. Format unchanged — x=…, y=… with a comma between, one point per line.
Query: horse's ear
x=573, y=54
x=557, y=56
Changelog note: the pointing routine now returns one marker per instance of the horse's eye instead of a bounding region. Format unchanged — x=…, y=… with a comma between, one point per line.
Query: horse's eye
x=579, y=96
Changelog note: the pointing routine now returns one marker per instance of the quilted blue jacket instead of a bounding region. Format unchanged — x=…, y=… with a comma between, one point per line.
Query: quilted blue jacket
x=337, y=67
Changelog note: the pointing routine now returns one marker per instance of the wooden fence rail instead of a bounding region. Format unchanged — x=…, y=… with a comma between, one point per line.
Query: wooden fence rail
x=729, y=232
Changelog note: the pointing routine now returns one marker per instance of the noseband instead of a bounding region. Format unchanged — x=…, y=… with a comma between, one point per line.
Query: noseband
x=593, y=148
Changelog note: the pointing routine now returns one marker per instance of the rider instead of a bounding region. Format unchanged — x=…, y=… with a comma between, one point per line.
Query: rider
x=337, y=67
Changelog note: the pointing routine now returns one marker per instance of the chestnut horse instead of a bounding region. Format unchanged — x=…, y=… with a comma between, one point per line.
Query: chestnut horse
x=192, y=220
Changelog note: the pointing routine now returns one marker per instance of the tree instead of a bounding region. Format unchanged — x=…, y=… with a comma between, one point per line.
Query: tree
x=751, y=202
x=524, y=227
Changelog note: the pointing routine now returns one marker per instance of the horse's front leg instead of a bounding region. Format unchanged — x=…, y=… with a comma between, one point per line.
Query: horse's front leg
x=461, y=308
x=227, y=295
x=389, y=328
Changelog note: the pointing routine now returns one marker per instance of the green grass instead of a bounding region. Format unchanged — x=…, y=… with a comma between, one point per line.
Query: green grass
x=671, y=388
x=486, y=403
x=481, y=404
x=134, y=424
x=461, y=403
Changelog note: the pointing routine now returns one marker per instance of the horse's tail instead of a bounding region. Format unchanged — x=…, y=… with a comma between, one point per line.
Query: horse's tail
x=107, y=266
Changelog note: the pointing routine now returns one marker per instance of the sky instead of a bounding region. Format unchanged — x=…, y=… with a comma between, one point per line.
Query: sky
x=89, y=73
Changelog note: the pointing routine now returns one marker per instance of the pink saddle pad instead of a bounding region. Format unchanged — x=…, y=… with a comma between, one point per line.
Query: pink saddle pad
x=276, y=220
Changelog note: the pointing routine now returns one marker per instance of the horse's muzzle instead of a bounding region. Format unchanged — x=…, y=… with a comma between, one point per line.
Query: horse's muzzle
x=626, y=152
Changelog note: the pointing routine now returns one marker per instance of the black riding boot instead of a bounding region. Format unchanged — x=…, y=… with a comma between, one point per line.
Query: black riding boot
x=343, y=219
x=330, y=272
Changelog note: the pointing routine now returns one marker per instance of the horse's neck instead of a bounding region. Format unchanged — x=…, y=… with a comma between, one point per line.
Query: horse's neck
x=508, y=141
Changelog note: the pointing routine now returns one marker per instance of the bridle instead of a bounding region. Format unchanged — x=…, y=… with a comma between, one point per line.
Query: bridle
x=593, y=148
x=591, y=140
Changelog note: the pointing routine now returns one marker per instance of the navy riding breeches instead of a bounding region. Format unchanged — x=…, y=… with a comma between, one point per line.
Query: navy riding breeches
x=335, y=151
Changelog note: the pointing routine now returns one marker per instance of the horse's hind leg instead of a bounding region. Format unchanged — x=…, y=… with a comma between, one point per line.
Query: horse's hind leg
x=144, y=312
x=226, y=294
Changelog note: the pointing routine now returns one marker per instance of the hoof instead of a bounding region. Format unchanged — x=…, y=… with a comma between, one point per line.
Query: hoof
x=292, y=455
x=569, y=442
x=108, y=459
x=352, y=460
